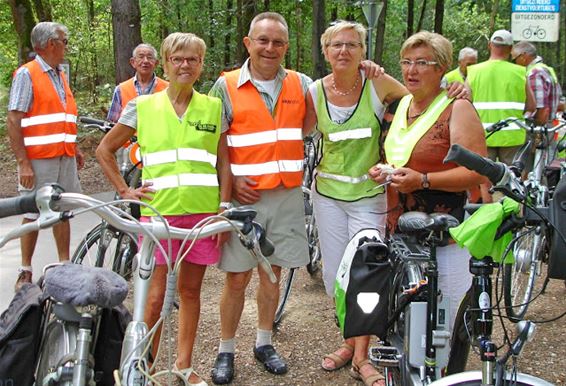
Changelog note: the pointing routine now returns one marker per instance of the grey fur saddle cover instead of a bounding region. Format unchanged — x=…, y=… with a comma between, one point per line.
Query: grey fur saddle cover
x=81, y=285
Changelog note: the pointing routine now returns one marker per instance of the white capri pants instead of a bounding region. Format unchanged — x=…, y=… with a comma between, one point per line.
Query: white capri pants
x=337, y=222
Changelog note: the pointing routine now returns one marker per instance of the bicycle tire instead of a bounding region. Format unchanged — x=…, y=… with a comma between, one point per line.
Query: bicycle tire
x=285, y=285
x=114, y=251
x=473, y=378
x=59, y=345
x=315, y=258
x=519, y=278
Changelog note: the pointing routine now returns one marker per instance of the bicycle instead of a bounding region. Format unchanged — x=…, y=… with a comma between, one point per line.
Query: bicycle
x=134, y=366
x=530, y=251
x=104, y=245
x=315, y=258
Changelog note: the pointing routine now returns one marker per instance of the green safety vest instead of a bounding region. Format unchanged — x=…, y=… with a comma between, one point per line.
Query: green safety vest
x=401, y=138
x=454, y=76
x=498, y=92
x=548, y=69
x=179, y=156
x=349, y=150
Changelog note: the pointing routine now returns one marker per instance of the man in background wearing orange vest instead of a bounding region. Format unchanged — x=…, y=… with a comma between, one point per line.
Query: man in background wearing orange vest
x=264, y=106
x=143, y=60
x=41, y=122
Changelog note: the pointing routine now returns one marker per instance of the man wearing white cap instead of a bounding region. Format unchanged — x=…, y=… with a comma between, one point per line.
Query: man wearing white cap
x=499, y=91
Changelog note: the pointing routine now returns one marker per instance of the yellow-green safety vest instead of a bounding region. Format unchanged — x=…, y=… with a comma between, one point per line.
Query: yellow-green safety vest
x=498, y=92
x=402, y=138
x=454, y=76
x=349, y=149
x=179, y=155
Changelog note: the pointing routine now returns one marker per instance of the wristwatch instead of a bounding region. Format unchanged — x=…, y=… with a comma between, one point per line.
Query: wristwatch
x=226, y=205
x=424, y=181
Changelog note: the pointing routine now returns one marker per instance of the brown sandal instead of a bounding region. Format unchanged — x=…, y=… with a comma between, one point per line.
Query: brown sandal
x=370, y=379
x=339, y=361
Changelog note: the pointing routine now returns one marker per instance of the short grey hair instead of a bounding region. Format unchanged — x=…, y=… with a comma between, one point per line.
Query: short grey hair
x=42, y=32
x=271, y=16
x=524, y=47
x=467, y=51
x=147, y=46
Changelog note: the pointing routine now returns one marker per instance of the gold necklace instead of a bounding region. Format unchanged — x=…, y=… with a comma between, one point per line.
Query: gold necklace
x=347, y=92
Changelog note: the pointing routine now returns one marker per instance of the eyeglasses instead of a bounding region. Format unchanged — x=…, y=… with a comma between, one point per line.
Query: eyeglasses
x=350, y=46
x=150, y=58
x=264, y=42
x=64, y=41
x=514, y=59
x=179, y=60
x=421, y=64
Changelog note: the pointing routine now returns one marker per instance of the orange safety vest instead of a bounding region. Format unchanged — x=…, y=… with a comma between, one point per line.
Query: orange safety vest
x=128, y=90
x=267, y=149
x=49, y=129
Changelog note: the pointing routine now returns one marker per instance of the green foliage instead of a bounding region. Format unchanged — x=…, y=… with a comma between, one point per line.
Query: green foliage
x=8, y=46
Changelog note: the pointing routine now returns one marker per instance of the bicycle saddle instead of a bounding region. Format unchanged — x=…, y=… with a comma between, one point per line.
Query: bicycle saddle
x=418, y=222
x=80, y=285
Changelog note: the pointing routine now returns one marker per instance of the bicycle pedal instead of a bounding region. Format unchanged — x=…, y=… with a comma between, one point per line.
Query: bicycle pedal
x=384, y=356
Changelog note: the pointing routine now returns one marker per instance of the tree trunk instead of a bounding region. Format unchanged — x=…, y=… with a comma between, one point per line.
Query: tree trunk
x=438, y=16
x=245, y=12
x=318, y=23
x=410, y=17
x=228, y=35
x=43, y=10
x=421, y=17
x=298, y=33
x=126, y=23
x=211, y=30
x=494, y=9
x=24, y=22
x=380, y=34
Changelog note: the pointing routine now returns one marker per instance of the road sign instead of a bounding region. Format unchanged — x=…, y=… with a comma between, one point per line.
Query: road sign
x=535, y=20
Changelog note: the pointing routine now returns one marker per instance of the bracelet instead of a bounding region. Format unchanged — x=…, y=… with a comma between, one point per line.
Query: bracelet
x=425, y=182
x=226, y=205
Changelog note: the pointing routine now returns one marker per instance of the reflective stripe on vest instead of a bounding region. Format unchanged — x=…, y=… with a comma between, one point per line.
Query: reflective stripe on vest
x=498, y=92
x=401, y=138
x=49, y=128
x=180, y=156
x=261, y=138
x=349, y=149
x=183, y=154
x=268, y=148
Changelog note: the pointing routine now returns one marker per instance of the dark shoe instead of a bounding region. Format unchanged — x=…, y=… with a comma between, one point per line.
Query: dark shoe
x=23, y=277
x=223, y=370
x=270, y=359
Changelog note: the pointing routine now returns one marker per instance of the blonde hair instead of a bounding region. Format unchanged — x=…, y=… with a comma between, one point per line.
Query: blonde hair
x=341, y=25
x=179, y=41
x=440, y=46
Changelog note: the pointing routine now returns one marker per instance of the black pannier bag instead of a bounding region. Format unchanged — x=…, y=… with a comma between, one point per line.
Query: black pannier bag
x=362, y=286
x=557, y=257
x=20, y=336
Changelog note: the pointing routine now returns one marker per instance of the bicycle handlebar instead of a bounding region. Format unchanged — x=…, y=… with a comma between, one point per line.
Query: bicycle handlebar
x=494, y=171
x=99, y=124
x=18, y=205
x=528, y=125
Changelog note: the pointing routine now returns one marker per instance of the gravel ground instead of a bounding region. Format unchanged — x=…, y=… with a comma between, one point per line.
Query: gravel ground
x=308, y=330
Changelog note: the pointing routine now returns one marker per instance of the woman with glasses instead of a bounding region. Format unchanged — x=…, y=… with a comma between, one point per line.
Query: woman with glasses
x=427, y=122
x=348, y=110
x=186, y=177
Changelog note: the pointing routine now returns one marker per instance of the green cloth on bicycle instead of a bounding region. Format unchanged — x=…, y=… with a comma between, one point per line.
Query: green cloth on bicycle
x=477, y=233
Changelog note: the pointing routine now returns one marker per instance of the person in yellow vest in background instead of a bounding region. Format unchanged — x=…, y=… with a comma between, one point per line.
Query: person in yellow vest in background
x=41, y=122
x=466, y=57
x=500, y=90
x=186, y=177
x=541, y=79
x=143, y=60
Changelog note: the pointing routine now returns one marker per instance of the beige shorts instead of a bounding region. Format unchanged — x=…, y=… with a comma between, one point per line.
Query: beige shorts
x=281, y=213
x=59, y=170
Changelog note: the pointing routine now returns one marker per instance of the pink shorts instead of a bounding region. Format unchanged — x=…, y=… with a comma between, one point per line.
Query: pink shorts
x=204, y=252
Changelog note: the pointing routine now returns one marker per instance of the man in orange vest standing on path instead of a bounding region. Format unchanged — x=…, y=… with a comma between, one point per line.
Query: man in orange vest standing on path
x=143, y=60
x=264, y=106
x=41, y=122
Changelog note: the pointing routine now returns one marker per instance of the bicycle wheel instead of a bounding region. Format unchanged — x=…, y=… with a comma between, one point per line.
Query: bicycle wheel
x=56, y=357
x=519, y=278
x=473, y=378
x=285, y=285
x=105, y=246
x=315, y=258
